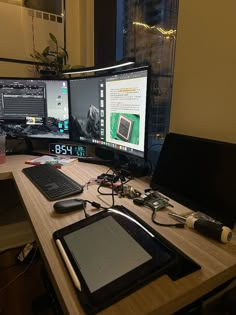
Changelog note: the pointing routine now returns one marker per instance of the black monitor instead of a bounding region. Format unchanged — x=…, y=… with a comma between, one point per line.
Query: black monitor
x=110, y=110
x=34, y=108
x=198, y=173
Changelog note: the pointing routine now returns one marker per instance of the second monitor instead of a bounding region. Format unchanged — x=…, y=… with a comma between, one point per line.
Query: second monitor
x=111, y=110
x=34, y=108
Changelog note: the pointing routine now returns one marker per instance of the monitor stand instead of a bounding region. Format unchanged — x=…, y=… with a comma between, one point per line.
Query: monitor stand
x=128, y=165
x=95, y=160
x=102, y=157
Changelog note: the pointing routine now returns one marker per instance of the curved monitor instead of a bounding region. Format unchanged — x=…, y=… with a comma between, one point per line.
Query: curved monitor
x=111, y=110
x=34, y=108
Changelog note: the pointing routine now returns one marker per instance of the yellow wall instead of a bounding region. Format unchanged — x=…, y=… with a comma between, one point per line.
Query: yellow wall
x=80, y=32
x=79, y=36
x=204, y=89
x=10, y=69
x=28, y=31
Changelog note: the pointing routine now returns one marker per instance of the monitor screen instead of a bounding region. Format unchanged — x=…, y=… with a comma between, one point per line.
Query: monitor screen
x=34, y=108
x=198, y=173
x=111, y=110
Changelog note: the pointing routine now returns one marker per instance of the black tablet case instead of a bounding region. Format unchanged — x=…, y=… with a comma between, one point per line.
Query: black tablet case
x=172, y=262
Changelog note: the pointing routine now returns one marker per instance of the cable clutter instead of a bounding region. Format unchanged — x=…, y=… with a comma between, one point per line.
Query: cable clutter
x=114, y=178
x=117, y=181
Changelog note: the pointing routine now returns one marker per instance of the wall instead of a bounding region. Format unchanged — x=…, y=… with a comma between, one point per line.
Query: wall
x=80, y=32
x=10, y=69
x=26, y=29
x=17, y=42
x=203, y=100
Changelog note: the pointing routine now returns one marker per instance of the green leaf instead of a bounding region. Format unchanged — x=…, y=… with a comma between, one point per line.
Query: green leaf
x=46, y=51
x=55, y=59
x=53, y=38
x=65, y=52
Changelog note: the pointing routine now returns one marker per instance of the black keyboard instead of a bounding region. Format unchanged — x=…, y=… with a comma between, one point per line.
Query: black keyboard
x=51, y=182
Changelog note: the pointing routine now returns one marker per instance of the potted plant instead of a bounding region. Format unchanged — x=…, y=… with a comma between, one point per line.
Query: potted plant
x=52, y=62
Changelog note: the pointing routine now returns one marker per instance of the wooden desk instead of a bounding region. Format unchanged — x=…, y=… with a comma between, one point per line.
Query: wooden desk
x=161, y=296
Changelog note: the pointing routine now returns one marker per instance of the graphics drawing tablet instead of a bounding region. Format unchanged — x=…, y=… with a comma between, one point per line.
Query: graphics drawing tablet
x=109, y=255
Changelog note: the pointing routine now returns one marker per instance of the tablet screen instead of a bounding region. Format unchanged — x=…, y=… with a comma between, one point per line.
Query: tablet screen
x=105, y=251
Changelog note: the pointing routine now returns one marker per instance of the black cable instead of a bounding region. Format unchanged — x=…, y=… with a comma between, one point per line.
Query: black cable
x=177, y=225
x=114, y=189
x=112, y=185
x=84, y=205
x=154, y=145
x=96, y=205
x=148, y=150
x=150, y=166
x=4, y=287
x=114, y=192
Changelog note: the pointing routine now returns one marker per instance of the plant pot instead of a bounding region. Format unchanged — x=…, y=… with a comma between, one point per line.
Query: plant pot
x=48, y=74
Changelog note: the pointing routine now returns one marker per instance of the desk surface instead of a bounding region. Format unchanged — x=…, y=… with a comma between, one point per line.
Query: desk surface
x=161, y=296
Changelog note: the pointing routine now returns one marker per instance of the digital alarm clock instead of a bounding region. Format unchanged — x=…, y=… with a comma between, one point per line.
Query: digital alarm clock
x=68, y=149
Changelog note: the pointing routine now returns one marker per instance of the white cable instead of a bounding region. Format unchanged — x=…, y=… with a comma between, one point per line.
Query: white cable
x=20, y=274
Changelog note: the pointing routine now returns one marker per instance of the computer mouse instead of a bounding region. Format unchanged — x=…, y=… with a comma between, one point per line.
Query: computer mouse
x=69, y=205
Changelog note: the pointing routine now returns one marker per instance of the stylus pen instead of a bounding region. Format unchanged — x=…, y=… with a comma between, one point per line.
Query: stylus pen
x=68, y=265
